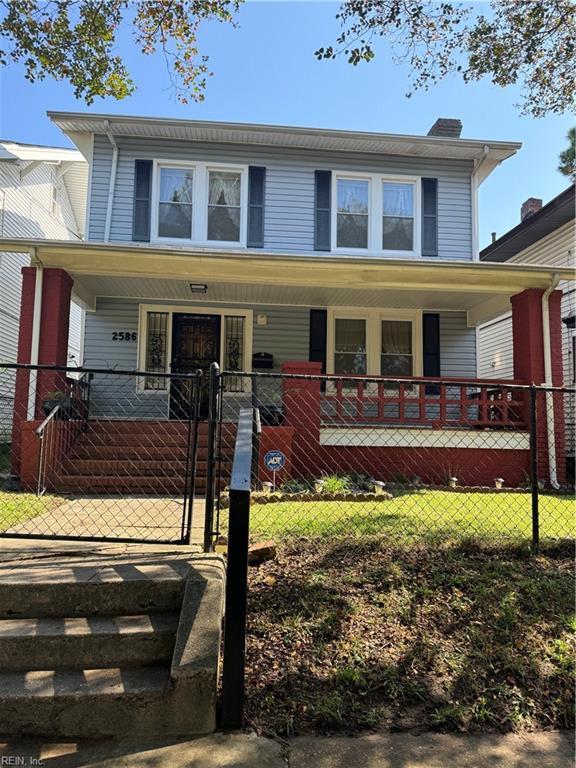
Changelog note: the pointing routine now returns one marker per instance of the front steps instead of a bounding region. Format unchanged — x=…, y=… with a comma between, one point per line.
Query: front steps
x=138, y=457
x=122, y=646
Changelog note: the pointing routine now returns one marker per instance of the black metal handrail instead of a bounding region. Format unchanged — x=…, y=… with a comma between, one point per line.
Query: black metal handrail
x=237, y=575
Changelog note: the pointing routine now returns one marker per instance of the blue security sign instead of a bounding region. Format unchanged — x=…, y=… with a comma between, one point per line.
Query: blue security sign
x=274, y=461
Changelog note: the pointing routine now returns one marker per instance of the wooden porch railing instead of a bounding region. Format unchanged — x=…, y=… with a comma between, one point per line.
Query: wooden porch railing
x=422, y=402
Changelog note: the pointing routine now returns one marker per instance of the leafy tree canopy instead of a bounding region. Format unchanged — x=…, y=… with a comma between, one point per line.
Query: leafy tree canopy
x=527, y=42
x=567, y=166
x=76, y=40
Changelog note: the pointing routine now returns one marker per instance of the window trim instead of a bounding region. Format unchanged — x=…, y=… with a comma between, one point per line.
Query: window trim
x=200, y=186
x=171, y=309
x=374, y=319
x=376, y=213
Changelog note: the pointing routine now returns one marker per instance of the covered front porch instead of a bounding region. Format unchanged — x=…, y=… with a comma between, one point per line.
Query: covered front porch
x=396, y=339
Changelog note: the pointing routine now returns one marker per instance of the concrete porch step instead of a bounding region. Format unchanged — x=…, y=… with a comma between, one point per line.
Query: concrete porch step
x=97, y=466
x=93, y=641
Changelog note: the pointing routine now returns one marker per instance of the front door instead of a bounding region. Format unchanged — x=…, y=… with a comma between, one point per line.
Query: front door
x=195, y=345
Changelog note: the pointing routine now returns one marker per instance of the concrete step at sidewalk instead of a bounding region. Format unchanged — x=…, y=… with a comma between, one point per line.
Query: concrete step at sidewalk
x=128, y=485
x=93, y=641
x=91, y=588
x=139, y=467
x=78, y=703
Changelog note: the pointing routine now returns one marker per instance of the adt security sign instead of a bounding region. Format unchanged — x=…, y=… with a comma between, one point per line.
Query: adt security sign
x=274, y=461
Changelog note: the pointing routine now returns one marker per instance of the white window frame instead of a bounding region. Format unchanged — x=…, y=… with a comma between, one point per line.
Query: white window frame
x=171, y=310
x=373, y=318
x=199, y=203
x=376, y=213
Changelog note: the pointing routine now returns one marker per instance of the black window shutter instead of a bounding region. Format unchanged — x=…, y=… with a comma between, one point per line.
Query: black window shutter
x=317, y=350
x=142, y=195
x=322, y=193
x=256, y=181
x=431, y=349
x=429, y=217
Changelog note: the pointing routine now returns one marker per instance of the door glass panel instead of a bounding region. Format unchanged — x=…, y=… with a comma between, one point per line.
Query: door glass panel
x=234, y=350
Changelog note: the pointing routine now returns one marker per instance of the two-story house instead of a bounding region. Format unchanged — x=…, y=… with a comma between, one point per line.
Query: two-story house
x=42, y=195
x=296, y=249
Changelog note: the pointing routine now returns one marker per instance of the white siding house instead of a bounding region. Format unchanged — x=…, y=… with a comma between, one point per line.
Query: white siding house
x=42, y=195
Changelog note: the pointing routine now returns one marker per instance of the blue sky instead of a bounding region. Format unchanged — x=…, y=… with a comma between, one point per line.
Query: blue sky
x=265, y=71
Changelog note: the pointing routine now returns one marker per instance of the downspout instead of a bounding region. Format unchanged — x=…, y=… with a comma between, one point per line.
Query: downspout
x=112, y=184
x=474, y=193
x=550, y=418
x=35, y=341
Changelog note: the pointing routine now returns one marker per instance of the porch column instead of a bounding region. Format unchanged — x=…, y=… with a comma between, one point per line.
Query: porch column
x=301, y=401
x=528, y=340
x=51, y=337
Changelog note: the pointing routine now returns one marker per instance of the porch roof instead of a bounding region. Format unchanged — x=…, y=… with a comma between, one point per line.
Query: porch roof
x=482, y=289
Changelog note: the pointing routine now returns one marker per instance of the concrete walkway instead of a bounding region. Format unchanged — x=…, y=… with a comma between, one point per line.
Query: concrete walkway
x=137, y=517
x=385, y=750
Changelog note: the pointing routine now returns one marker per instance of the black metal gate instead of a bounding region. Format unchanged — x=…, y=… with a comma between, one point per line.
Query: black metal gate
x=100, y=455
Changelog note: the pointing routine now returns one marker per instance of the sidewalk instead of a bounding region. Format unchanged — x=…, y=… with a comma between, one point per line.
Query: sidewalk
x=385, y=750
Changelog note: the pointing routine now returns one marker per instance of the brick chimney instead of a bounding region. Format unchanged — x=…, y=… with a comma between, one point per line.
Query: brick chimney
x=530, y=207
x=447, y=127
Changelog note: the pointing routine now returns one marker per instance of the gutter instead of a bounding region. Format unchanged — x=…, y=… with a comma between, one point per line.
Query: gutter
x=112, y=183
x=550, y=416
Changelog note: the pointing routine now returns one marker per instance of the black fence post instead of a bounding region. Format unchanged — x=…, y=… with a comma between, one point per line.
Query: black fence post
x=210, y=457
x=237, y=577
x=534, y=470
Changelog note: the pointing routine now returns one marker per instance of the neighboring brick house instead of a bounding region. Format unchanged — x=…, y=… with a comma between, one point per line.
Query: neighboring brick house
x=42, y=195
x=546, y=235
x=311, y=250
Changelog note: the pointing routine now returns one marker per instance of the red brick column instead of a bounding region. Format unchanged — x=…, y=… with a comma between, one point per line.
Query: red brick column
x=301, y=401
x=528, y=340
x=53, y=345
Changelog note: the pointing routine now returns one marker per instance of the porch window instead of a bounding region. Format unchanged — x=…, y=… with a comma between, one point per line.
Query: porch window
x=398, y=217
x=224, y=195
x=350, y=346
x=352, y=213
x=175, y=203
x=156, y=350
x=396, y=348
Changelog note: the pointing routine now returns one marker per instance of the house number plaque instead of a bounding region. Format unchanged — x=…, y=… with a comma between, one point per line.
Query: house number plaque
x=124, y=335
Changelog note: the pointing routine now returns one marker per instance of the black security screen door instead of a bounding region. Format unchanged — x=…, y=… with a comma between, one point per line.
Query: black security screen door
x=195, y=345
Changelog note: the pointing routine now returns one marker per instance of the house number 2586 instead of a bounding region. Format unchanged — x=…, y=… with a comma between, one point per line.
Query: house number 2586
x=124, y=335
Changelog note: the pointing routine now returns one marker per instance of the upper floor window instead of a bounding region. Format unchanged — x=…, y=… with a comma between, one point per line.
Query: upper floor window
x=224, y=206
x=353, y=213
x=175, y=203
x=376, y=214
x=398, y=217
x=199, y=203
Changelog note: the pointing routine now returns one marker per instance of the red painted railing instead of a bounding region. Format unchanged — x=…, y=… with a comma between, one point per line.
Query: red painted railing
x=470, y=403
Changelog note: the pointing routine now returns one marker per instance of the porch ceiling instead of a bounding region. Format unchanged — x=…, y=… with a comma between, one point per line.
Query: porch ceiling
x=482, y=289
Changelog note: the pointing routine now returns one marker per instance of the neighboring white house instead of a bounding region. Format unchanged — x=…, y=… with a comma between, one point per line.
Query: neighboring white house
x=545, y=235
x=42, y=195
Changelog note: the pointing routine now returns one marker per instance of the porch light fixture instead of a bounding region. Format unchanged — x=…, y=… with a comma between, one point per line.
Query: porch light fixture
x=198, y=287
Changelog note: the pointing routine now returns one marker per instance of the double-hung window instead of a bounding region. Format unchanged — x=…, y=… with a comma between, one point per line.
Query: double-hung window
x=398, y=216
x=224, y=196
x=175, y=203
x=352, y=218
x=350, y=348
x=376, y=214
x=396, y=348
x=200, y=203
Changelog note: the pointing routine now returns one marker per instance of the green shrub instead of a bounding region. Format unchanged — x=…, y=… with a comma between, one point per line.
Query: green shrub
x=336, y=484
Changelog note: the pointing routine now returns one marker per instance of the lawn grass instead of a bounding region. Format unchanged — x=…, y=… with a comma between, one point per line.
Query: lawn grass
x=349, y=635
x=17, y=507
x=417, y=514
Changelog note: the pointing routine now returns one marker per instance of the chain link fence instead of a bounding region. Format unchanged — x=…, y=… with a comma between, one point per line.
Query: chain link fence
x=101, y=454
x=353, y=456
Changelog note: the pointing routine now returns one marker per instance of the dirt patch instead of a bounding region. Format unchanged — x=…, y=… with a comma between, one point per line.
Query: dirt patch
x=345, y=637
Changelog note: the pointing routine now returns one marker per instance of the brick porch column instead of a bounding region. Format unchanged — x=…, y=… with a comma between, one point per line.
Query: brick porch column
x=52, y=349
x=301, y=401
x=528, y=340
